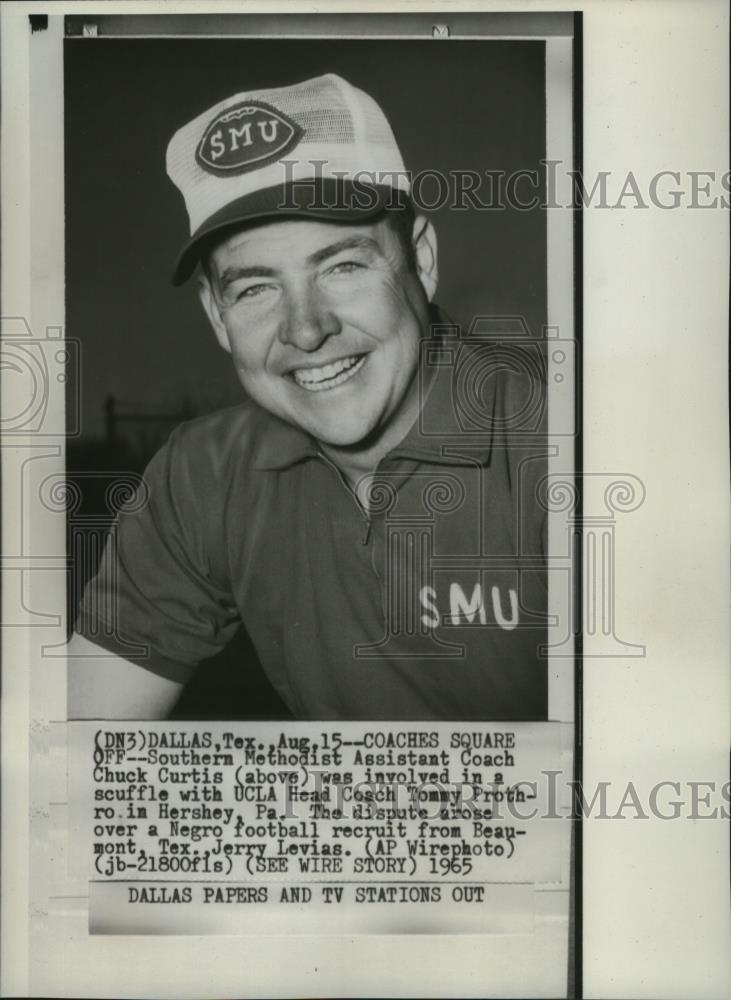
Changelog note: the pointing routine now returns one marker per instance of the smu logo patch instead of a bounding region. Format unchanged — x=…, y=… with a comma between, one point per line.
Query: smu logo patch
x=244, y=137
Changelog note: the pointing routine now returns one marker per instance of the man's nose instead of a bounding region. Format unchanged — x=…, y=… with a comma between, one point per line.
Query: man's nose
x=309, y=320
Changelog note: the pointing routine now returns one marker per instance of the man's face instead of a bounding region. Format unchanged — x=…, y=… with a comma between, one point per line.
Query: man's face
x=323, y=322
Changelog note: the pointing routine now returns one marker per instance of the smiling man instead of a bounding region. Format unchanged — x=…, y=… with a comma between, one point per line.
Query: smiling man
x=323, y=322
x=369, y=511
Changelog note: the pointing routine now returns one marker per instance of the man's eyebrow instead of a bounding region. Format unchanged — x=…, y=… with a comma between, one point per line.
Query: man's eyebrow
x=349, y=243
x=233, y=273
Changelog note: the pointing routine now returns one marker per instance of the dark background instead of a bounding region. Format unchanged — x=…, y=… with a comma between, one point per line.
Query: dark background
x=453, y=105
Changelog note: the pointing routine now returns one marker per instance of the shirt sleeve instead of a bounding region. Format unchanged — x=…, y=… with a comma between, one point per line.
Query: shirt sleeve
x=156, y=599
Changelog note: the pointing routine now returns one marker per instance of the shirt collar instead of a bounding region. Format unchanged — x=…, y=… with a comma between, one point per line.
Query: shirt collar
x=442, y=433
x=282, y=445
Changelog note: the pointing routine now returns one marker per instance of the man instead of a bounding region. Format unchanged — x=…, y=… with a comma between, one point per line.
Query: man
x=365, y=512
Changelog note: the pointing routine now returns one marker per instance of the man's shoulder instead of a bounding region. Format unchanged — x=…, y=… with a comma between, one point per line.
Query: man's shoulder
x=223, y=441
x=222, y=428
x=520, y=387
x=495, y=384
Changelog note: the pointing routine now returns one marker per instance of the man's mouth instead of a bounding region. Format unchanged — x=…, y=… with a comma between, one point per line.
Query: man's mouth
x=327, y=377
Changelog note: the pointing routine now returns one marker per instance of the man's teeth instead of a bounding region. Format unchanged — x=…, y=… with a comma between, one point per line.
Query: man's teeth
x=327, y=377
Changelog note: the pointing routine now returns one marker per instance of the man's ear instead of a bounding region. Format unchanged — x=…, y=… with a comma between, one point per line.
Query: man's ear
x=425, y=247
x=210, y=307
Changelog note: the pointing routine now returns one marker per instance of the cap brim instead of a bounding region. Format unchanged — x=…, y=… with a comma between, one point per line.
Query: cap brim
x=326, y=199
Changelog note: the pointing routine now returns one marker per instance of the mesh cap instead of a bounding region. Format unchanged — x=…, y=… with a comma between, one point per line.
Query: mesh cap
x=320, y=149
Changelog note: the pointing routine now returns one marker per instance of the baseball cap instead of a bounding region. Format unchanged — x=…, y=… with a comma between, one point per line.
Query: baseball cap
x=318, y=149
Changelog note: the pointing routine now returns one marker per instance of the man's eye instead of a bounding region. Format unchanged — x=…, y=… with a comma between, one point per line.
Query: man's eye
x=251, y=292
x=346, y=267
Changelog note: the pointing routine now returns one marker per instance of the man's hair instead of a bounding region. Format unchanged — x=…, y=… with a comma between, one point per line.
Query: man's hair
x=401, y=220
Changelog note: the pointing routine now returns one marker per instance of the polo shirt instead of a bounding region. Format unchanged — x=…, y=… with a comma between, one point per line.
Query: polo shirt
x=432, y=605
